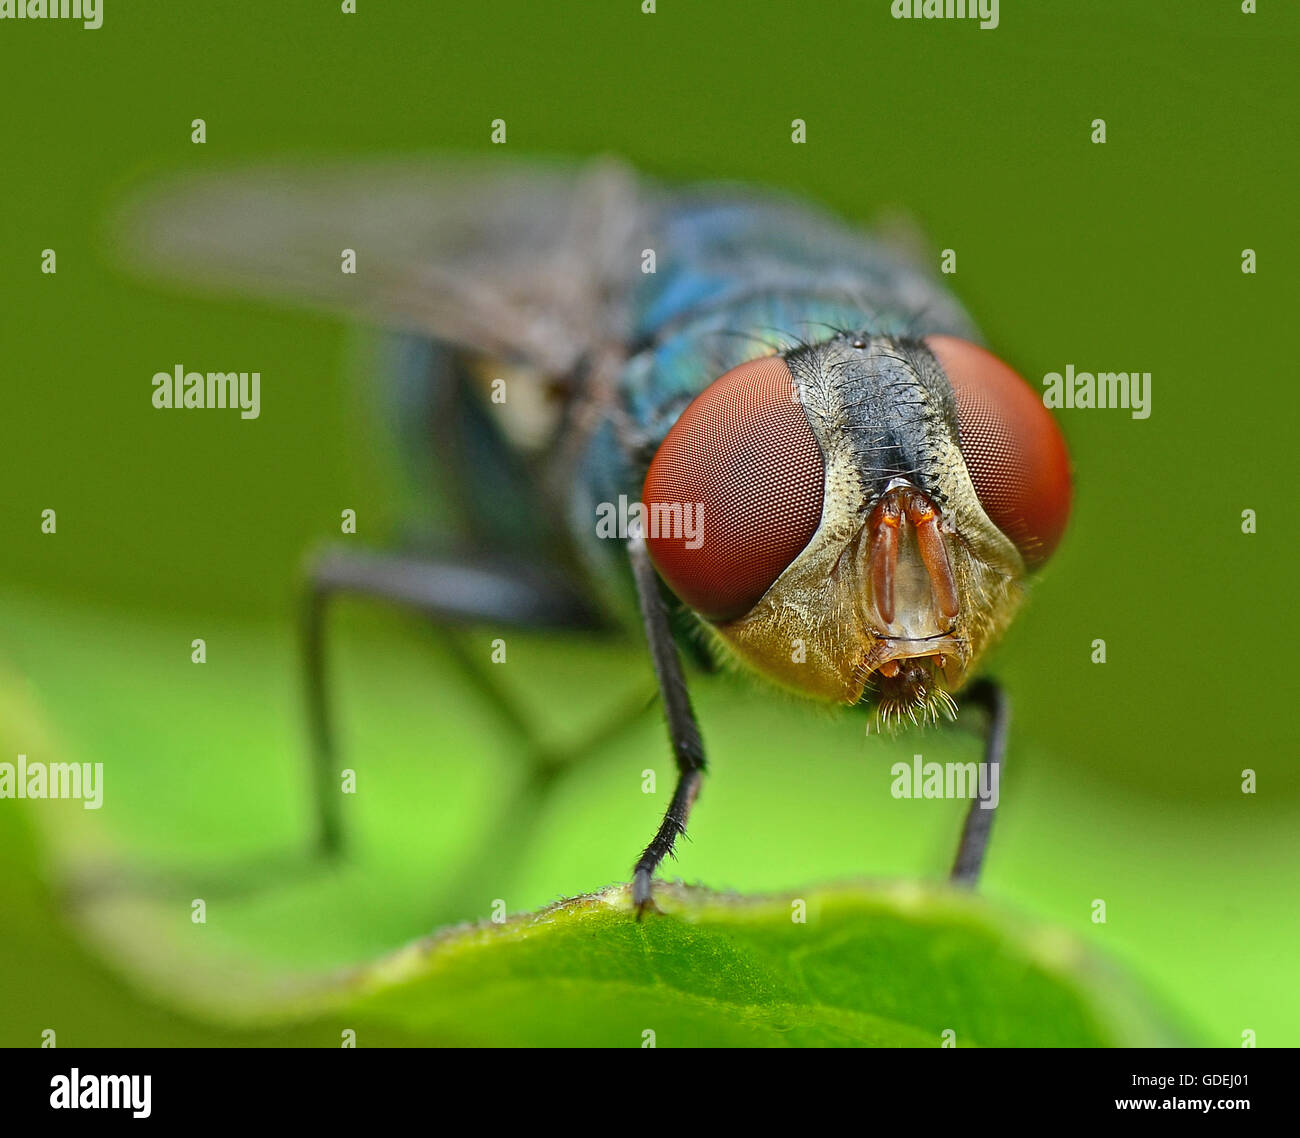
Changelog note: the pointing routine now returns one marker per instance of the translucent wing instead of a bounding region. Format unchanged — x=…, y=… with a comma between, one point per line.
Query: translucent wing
x=525, y=262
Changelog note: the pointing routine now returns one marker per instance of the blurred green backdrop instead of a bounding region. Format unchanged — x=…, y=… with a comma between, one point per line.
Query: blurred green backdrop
x=1124, y=781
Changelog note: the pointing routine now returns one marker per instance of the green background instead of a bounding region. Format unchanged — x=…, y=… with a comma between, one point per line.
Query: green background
x=1124, y=779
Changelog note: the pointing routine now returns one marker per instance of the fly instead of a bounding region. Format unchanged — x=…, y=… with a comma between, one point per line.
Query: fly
x=871, y=488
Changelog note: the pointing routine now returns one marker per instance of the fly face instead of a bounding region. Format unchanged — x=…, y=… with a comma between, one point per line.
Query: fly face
x=870, y=507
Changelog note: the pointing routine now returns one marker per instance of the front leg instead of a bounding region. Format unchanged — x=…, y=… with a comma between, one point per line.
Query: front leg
x=974, y=844
x=683, y=732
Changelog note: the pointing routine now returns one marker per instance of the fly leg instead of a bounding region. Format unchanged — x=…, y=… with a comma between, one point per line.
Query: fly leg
x=451, y=589
x=683, y=732
x=974, y=844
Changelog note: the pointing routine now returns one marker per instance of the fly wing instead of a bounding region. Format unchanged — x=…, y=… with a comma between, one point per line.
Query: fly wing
x=522, y=262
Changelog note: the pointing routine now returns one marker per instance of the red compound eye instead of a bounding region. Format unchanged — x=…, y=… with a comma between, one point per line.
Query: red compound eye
x=1012, y=447
x=743, y=458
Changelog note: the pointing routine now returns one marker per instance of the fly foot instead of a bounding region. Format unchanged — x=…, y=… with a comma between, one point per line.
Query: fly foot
x=642, y=892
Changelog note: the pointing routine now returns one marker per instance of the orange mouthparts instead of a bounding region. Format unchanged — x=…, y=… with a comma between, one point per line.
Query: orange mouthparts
x=896, y=504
